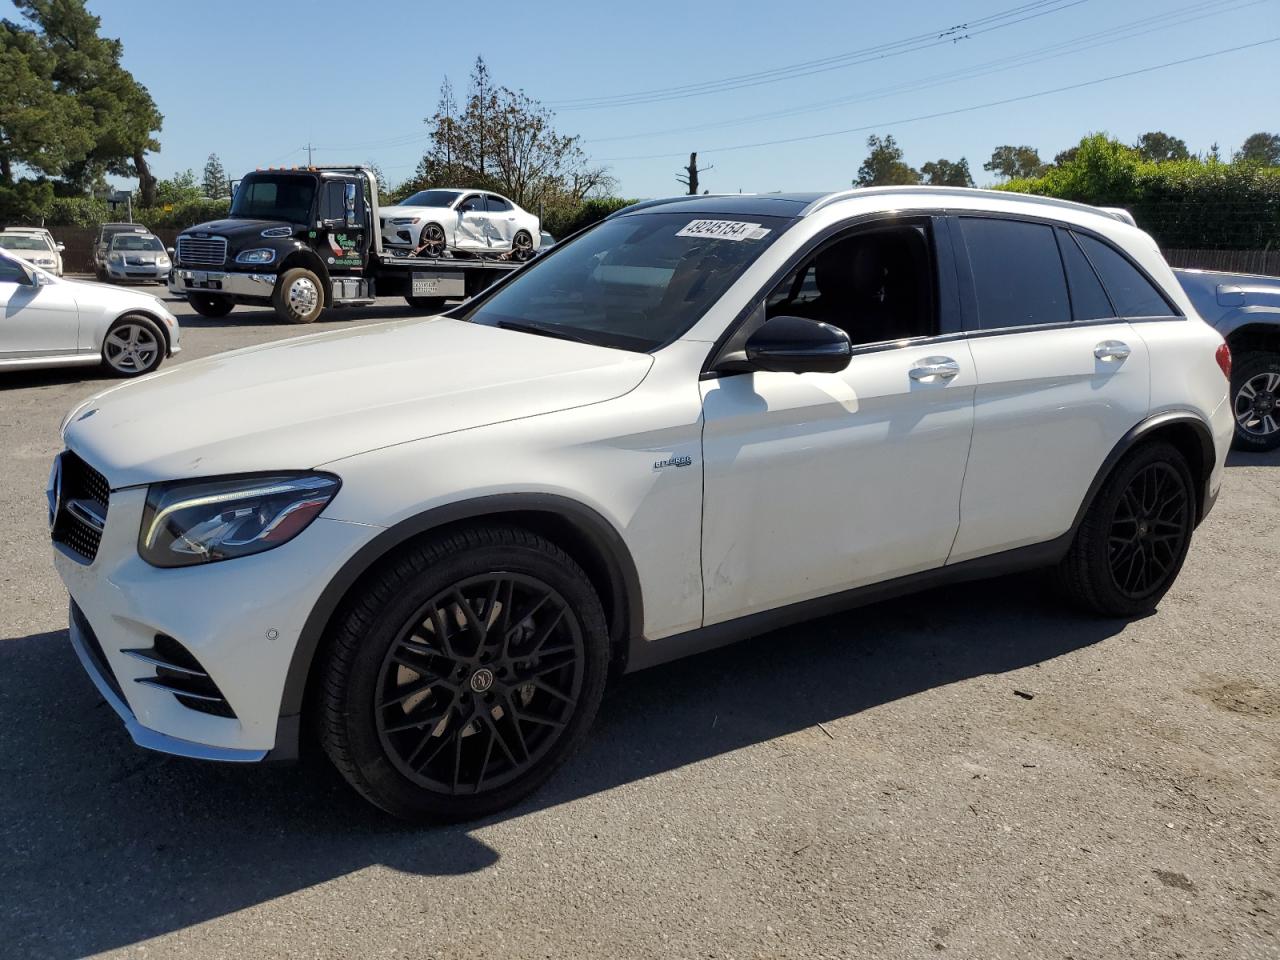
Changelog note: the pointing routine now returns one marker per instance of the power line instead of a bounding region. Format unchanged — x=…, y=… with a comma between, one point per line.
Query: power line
x=946, y=36
x=958, y=110
x=1125, y=31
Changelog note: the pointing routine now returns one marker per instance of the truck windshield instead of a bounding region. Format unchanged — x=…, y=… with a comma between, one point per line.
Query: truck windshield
x=635, y=282
x=278, y=197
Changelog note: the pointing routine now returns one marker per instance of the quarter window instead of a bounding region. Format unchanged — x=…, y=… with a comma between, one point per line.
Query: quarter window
x=1017, y=273
x=1132, y=293
x=1088, y=298
x=498, y=205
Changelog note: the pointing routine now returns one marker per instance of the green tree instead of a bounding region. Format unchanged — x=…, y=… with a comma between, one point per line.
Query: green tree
x=215, y=182
x=944, y=173
x=1065, y=157
x=120, y=118
x=1009, y=162
x=884, y=165
x=180, y=188
x=1158, y=147
x=1261, y=148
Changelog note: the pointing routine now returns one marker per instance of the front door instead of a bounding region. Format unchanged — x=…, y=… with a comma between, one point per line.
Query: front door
x=817, y=483
x=35, y=320
x=472, y=232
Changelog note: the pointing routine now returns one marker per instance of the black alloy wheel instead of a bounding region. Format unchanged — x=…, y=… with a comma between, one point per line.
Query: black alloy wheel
x=1255, y=401
x=1135, y=535
x=464, y=672
x=480, y=683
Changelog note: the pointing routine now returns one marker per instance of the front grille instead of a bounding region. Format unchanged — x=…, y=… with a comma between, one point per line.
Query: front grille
x=180, y=673
x=81, y=499
x=139, y=262
x=206, y=251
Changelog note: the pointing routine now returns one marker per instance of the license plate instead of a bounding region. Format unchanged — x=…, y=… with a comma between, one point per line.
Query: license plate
x=439, y=285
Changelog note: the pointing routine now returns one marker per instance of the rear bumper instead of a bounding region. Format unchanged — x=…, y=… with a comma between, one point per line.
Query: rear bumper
x=184, y=280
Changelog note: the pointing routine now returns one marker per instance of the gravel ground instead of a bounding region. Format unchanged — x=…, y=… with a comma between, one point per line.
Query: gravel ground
x=973, y=771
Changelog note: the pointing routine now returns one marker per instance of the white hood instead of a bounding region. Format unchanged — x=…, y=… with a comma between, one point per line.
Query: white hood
x=297, y=404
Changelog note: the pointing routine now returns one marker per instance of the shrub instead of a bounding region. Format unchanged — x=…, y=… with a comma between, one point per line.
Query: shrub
x=1184, y=204
x=560, y=221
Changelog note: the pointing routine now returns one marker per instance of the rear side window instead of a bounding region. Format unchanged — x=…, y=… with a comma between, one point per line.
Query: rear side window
x=497, y=204
x=1017, y=273
x=1131, y=292
x=1088, y=299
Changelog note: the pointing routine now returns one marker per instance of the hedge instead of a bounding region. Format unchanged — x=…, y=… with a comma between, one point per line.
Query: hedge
x=1202, y=204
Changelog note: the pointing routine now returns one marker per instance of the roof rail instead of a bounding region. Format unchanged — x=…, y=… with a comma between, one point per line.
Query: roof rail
x=831, y=198
x=679, y=198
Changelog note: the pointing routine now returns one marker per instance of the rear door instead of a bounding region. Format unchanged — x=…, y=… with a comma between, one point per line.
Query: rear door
x=502, y=221
x=472, y=232
x=1061, y=378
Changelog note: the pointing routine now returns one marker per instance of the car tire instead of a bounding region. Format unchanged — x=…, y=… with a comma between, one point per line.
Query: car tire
x=298, y=296
x=427, y=689
x=133, y=346
x=1255, y=401
x=431, y=304
x=522, y=246
x=1134, y=538
x=210, y=306
x=432, y=242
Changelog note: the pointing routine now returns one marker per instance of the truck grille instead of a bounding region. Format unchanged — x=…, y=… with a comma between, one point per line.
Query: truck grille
x=79, y=509
x=206, y=251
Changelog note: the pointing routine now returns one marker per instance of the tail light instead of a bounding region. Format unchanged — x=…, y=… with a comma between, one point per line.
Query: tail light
x=1223, y=356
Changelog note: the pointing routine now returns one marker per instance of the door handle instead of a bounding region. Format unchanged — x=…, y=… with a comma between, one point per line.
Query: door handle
x=1111, y=351
x=934, y=369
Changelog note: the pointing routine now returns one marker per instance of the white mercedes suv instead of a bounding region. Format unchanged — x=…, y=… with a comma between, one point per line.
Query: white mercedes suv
x=426, y=543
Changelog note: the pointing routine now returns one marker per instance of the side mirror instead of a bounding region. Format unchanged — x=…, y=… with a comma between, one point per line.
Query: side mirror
x=798, y=345
x=60, y=247
x=349, y=202
x=169, y=250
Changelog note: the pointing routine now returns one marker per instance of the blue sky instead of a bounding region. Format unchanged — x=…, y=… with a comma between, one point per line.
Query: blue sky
x=255, y=81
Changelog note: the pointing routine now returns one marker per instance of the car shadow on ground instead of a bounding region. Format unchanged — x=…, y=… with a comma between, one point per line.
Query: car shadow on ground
x=106, y=845
x=1249, y=458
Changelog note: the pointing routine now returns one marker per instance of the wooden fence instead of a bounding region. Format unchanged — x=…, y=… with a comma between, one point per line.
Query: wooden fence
x=1263, y=262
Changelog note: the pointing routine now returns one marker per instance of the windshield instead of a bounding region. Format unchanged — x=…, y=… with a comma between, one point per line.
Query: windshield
x=125, y=241
x=635, y=282
x=15, y=241
x=267, y=197
x=431, y=198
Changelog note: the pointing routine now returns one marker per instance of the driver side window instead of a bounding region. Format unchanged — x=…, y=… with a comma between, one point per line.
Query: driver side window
x=876, y=284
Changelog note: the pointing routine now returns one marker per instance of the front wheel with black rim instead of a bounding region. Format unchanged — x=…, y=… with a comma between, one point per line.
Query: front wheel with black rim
x=298, y=296
x=464, y=672
x=431, y=241
x=1255, y=401
x=1134, y=539
x=133, y=346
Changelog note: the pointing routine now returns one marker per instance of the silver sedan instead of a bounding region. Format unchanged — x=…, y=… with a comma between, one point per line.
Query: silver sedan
x=46, y=321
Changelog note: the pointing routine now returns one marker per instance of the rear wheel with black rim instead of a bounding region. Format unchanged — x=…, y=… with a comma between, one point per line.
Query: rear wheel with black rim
x=209, y=306
x=1255, y=401
x=1135, y=537
x=465, y=672
x=522, y=246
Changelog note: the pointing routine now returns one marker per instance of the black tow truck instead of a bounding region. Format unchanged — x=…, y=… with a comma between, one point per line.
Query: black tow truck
x=303, y=239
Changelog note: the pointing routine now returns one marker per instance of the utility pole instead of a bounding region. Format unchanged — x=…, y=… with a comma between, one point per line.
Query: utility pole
x=309, y=163
x=690, y=178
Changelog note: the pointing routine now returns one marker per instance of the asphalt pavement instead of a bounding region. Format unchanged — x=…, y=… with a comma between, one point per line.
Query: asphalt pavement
x=972, y=772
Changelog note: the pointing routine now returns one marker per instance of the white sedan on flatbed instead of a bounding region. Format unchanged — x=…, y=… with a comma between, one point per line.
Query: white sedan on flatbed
x=46, y=321
x=432, y=223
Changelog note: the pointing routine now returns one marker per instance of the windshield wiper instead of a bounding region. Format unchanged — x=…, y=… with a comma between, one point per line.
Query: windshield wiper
x=544, y=331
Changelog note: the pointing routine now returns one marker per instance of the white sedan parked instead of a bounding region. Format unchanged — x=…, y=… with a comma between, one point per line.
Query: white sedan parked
x=431, y=222
x=46, y=321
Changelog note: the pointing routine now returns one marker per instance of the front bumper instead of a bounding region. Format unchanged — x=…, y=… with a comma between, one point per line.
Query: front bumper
x=184, y=280
x=117, y=271
x=240, y=619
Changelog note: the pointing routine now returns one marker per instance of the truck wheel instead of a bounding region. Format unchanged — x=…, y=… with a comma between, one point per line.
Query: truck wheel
x=431, y=304
x=462, y=673
x=298, y=296
x=1255, y=401
x=208, y=306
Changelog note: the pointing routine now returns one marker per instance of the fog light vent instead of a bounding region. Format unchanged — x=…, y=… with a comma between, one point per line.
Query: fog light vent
x=180, y=673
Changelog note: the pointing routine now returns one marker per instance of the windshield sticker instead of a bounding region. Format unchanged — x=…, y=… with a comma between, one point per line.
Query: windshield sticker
x=723, y=230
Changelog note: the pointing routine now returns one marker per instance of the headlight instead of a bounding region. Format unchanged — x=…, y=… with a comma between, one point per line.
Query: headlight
x=261, y=255
x=162, y=261
x=404, y=220
x=203, y=521
x=116, y=258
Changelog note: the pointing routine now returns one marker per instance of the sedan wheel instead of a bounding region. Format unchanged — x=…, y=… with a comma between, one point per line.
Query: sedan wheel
x=431, y=242
x=1255, y=401
x=133, y=346
x=522, y=246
